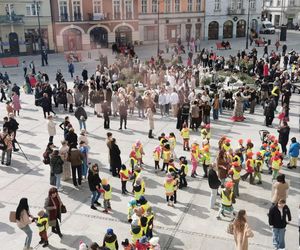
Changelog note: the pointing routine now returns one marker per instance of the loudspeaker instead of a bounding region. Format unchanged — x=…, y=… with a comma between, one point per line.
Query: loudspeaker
x=283, y=33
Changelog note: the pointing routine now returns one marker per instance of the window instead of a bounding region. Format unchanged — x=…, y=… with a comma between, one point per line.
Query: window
x=239, y=4
x=77, y=10
x=291, y=2
x=190, y=6
x=278, y=2
x=167, y=6
x=198, y=5
x=177, y=5
x=252, y=4
x=31, y=9
x=63, y=8
x=154, y=6
x=217, y=5
x=117, y=12
x=232, y=5
x=128, y=8
x=97, y=6
x=144, y=6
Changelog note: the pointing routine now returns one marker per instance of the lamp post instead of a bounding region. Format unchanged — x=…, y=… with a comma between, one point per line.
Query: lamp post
x=37, y=7
x=247, y=33
x=158, y=18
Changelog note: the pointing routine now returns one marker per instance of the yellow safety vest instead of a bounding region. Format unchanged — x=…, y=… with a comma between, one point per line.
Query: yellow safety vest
x=134, y=161
x=226, y=148
x=169, y=188
x=156, y=156
x=145, y=206
x=171, y=168
x=276, y=164
x=207, y=158
x=42, y=226
x=261, y=164
x=137, y=236
x=149, y=217
x=137, y=195
x=236, y=174
x=236, y=157
x=262, y=152
x=185, y=133
x=111, y=246
x=225, y=201
x=166, y=156
x=126, y=173
x=186, y=168
x=107, y=194
x=138, y=152
x=172, y=142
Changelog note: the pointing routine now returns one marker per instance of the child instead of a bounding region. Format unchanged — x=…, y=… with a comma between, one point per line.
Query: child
x=206, y=160
x=171, y=167
x=226, y=145
x=194, y=160
x=227, y=199
x=183, y=172
x=169, y=189
x=107, y=190
x=133, y=160
x=258, y=167
x=241, y=149
x=249, y=168
x=276, y=164
x=166, y=155
x=42, y=223
x=176, y=185
x=156, y=157
x=249, y=146
x=185, y=134
x=9, y=108
x=235, y=173
x=124, y=176
x=205, y=132
x=138, y=147
x=172, y=142
x=139, y=188
x=132, y=204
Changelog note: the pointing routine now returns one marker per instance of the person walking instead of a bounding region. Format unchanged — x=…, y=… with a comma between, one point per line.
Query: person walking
x=278, y=215
x=269, y=112
x=150, y=118
x=76, y=158
x=24, y=219
x=16, y=103
x=293, y=153
x=280, y=189
x=71, y=68
x=63, y=152
x=214, y=183
x=81, y=116
x=94, y=185
x=53, y=206
x=123, y=114
x=7, y=147
x=51, y=128
x=56, y=164
x=283, y=138
x=241, y=231
x=115, y=159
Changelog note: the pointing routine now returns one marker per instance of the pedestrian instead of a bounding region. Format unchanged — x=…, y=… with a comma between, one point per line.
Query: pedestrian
x=24, y=219
x=235, y=173
x=72, y=138
x=54, y=208
x=115, y=158
x=16, y=103
x=32, y=67
x=293, y=153
x=269, y=112
x=227, y=201
x=183, y=172
x=276, y=164
x=283, y=138
x=51, y=127
x=81, y=116
x=106, y=111
x=84, y=150
x=6, y=147
x=56, y=164
x=110, y=240
x=169, y=189
x=279, y=189
x=94, y=185
x=13, y=126
x=42, y=223
x=107, y=195
x=75, y=157
x=278, y=215
x=24, y=66
x=216, y=107
x=71, y=68
x=150, y=118
x=123, y=114
x=64, y=152
x=222, y=165
x=241, y=231
x=214, y=184
x=84, y=74
x=185, y=134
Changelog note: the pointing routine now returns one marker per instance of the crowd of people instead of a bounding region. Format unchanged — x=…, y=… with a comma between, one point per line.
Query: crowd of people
x=168, y=90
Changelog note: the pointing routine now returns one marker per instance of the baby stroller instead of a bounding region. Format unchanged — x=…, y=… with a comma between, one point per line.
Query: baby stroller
x=264, y=135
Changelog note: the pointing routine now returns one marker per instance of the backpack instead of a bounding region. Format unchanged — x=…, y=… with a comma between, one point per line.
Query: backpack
x=3, y=146
x=46, y=157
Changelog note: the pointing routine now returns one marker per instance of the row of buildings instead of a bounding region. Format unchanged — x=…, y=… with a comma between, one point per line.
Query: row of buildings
x=69, y=25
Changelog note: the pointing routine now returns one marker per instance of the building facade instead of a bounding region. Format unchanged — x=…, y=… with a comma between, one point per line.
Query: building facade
x=228, y=19
x=280, y=12
x=19, y=31
x=173, y=18
x=91, y=24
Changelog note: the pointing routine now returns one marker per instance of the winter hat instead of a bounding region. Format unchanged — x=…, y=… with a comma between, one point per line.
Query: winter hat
x=229, y=184
x=250, y=154
x=235, y=164
x=240, y=141
x=249, y=141
x=132, y=202
x=109, y=231
x=125, y=243
x=227, y=140
x=83, y=246
x=207, y=126
x=258, y=154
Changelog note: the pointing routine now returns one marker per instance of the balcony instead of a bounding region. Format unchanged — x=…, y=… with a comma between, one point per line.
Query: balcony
x=98, y=16
x=231, y=12
x=66, y=18
x=11, y=19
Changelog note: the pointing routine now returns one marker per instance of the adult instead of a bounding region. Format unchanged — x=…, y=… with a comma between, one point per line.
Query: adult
x=24, y=219
x=76, y=158
x=222, y=165
x=56, y=164
x=108, y=144
x=241, y=231
x=214, y=183
x=123, y=114
x=64, y=152
x=94, y=185
x=280, y=189
x=13, y=126
x=51, y=128
x=115, y=159
x=16, y=103
x=150, y=118
x=7, y=150
x=174, y=100
x=293, y=153
x=269, y=112
x=278, y=214
x=53, y=206
x=283, y=138
x=238, y=112
x=72, y=138
x=81, y=116
x=71, y=68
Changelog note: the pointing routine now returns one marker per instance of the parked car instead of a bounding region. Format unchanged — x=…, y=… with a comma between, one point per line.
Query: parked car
x=267, y=28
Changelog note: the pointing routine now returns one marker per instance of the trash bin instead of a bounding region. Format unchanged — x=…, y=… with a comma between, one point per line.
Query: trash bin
x=269, y=41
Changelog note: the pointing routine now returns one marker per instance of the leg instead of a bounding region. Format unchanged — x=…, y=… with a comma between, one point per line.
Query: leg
x=79, y=172
x=74, y=176
x=57, y=228
x=58, y=178
x=213, y=197
x=28, y=233
x=3, y=156
x=275, y=237
x=281, y=236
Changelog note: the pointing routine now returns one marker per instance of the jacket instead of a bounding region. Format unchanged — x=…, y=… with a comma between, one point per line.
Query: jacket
x=275, y=218
x=75, y=157
x=294, y=149
x=24, y=219
x=51, y=128
x=94, y=180
x=80, y=112
x=56, y=164
x=213, y=180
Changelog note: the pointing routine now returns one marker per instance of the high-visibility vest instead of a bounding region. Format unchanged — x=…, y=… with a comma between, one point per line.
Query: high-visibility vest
x=251, y=163
x=130, y=212
x=166, y=155
x=138, y=152
x=111, y=245
x=149, y=217
x=156, y=155
x=145, y=206
x=195, y=157
x=225, y=201
x=186, y=168
x=171, y=168
x=236, y=174
x=138, y=194
x=107, y=194
x=134, y=161
x=276, y=164
x=226, y=148
x=169, y=188
x=262, y=152
x=136, y=236
x=207, y=158
x=185, y=133
x=42, y=226
x=172, y=142
x=236, y=157
x=125, y=173
x=261, y=164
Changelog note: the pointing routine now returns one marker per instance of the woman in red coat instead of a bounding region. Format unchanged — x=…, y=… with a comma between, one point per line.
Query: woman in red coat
x=266, y=70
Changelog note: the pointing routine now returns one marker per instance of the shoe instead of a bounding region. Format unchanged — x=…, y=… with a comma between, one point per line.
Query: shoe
x=41, y=241
x=16, y=149
x=60, y=235
x=46, y=244
x=97, y=203
x=105, y=211
x=125, y=127
x=120, y=128
x=193, y=176
x=259, y=182
x=93, y=207
x=2, y=162
x=218, y=218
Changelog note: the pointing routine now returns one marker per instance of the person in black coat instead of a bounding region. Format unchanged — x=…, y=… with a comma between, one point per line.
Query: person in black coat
x=214, y=183
x=283, y=138
x=269, y=111
x=94, y=185
x=84, y=75
x=278, y=214
x=115, y=159
x=72, y=138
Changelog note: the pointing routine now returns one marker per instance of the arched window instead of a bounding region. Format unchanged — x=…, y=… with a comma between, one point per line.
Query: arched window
x=213, y=30
x=228, y=29
x=241, y=28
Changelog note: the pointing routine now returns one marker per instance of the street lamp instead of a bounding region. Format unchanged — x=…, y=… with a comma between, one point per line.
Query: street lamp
x=37, y=7
x=247, y=34
x=158, y=18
